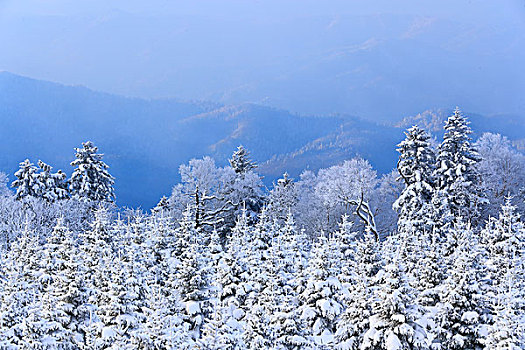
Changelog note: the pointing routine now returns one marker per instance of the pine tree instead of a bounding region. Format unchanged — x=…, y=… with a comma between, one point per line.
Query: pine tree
x=54, y=185
x=347, y=238
x=273, y=317
x=242, y=188
x=415, y=166
x=357, y=275
x=428, y=273
x=34, y=328
x=225, y=328
x=20, y=296
x=353, y=322
x=368, y=257
x=456, y=172
x=162, y=206
x=460, y=311
x=287, y=242
x=249, y=247
x=282, y=198
x=191, y=278
x=164, y=330
x=109, y=307
x=504, y=240
x=162, y=240
x=97, y=253
x=393, y=324
x=319, y=306
x=97, y=250
x=27, y=182
x=504, y=333
x=62, y=285
x=241, y=162
x=122, y=305
x=90, y=180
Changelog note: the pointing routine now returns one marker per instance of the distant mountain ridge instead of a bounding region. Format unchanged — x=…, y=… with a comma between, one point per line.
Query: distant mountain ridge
x=145, y=141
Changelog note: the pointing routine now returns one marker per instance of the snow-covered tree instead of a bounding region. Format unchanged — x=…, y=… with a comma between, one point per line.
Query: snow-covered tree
x=428, y=273
x=456, y=171
x=61, y=282
x=505, y=332
x=460, y=312
x=319, y=307
x=91, y=180
x=120, y=307
x=191, y=277
x=502, y=170
x=97, y=259
x=394, y=321
x=338, y=185
x=200, y=183
x=282, y=198
x=243, y=191
x=504, y=239
x=20, y=297
x=4, y=189
x=225, y=328
x=278, y=299
x=368, y=257
x=241, y=162
x=34, y=328
x=415, y=166
x=216, y=194
x=163, y=329
x=97, y=243
x=309, y=212
x=27, y=182
x=54, y=184
x=356, y=277
x=504, y=242
x=162, y=206
x=353, y=322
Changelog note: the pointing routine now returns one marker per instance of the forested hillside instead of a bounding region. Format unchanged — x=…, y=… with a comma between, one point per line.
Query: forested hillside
x=429, y=256
x=145, y=141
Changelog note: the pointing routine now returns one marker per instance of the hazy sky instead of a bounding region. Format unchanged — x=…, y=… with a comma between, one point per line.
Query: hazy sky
x=378, y=59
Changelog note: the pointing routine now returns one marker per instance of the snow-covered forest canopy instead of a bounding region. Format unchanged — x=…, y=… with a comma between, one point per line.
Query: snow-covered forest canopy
x=429, y=256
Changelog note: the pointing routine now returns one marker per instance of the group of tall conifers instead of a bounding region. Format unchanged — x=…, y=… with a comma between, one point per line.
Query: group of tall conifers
x=467, y=274
x=220, y=266
x=90, y=179
x=439, y=186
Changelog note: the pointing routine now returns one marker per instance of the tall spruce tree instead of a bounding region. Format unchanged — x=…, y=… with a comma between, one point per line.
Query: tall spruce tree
x=416, y=167
x=91, y=180
x=456, y=175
